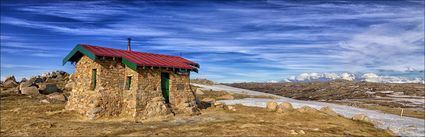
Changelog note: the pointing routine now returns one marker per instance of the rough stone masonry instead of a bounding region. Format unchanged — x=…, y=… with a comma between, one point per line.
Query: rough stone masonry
x=143, y=100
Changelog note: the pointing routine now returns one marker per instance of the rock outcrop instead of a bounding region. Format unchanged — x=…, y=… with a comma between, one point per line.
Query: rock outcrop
x=10, y=82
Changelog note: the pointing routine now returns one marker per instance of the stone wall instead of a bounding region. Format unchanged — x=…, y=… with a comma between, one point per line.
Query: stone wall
x=142, y=101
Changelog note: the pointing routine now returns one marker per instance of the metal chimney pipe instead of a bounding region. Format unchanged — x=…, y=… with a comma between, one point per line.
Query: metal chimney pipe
x=129, y=44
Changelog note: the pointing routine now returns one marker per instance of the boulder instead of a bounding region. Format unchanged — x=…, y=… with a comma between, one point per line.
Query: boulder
x=206, y=103
x=362, y=117
x=32, y=90
x=226, y=97
x=23, y=80
x=45, y=101
x=328, y=110
x=292, y=132
x=37, y=80
x=10, y=82
x=31, y=82
x=307, y=109
x=219, y=105
x=271, y=106
x=48, y=88
x=25, y=84
x=199, y=91
x=231, y=108
x=284, y=107
x=57, y=96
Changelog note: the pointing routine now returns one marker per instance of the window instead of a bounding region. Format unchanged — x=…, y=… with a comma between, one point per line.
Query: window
x=93, y=79
x=128, y=84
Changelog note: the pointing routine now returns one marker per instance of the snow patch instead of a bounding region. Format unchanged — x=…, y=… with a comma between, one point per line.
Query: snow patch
x=368, y=77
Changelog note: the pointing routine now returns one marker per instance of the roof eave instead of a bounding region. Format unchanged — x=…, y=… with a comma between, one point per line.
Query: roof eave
x=78, y=48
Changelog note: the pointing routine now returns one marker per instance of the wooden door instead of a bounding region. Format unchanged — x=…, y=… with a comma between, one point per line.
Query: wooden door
x=165, y=86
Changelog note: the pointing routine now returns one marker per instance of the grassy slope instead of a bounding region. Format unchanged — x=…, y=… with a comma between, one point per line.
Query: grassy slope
x=23, y=116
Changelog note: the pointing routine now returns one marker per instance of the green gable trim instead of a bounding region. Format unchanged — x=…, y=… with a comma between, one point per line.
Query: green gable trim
x=129, y=64
x=80, y=49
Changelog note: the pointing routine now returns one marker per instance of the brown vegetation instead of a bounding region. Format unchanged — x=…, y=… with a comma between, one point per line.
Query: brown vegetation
x=358, y=94
x=202, y=81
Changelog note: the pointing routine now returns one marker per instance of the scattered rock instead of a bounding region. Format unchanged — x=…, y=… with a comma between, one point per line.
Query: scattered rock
x=293, y=132
x=16, y=110
x=362, y=117
x=199, y=91
x=45, y=101
x=301, y=132
x=308, y=109
x=219, y=105
x=231, y=108
x=315, y=129
x=328, y=110
x=226, y=97
x=271, y=106
x=284, y=107
x=57, y=96
x=30, y=91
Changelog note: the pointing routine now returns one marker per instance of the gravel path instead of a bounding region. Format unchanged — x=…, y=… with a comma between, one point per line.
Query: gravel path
x=402, y=126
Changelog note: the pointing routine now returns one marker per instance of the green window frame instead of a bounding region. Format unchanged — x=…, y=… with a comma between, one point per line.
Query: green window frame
x=93, y=79
x=128, y=83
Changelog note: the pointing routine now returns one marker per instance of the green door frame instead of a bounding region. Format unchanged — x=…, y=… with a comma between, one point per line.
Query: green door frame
x=165, y=86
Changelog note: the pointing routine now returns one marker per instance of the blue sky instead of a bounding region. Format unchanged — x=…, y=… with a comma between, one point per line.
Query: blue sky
x=233, y=41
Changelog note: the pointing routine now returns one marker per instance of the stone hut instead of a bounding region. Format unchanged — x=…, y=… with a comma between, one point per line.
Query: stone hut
x=123, y=83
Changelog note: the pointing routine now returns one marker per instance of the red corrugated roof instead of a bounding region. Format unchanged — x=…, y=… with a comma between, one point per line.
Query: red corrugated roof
x=143, y=58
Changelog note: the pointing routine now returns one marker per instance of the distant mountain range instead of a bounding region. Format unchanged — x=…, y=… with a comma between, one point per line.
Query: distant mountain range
x=368, y=77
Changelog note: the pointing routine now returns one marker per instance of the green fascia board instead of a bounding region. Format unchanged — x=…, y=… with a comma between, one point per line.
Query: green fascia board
x=76, y=49
x=129, y=64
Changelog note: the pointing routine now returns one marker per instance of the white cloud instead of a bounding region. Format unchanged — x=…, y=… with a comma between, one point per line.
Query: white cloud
x=386, y=46
x=111, y=30
x=19, y=66
x=79, y=10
